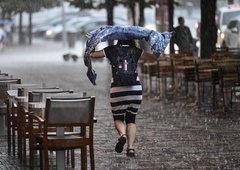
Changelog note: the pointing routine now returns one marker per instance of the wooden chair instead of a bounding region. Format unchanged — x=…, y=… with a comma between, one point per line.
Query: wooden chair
x=203, y=79
x=178, y=73
x=160, y=69
x=34, y=105
x=221, y=63
x=61, y=113
x=189, y=77
x=4, y=100
x=146, y=73
x=22, y=99
x=187, y=69
x=12, y=118
x=164, y=74
x=230, y=83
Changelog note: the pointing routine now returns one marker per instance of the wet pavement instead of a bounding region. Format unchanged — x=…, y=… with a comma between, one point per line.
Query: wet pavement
x=169, y=135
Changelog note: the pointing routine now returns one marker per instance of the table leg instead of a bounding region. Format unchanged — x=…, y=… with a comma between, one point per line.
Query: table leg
x=148, y=82
x=60, y=160
x=2, y=124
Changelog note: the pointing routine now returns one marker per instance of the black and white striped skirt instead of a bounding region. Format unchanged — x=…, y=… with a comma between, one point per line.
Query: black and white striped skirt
x=125, y=98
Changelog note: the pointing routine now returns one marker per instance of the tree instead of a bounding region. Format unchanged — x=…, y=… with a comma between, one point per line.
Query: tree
x=108, y=5
x=30, y=6
x=208, y=28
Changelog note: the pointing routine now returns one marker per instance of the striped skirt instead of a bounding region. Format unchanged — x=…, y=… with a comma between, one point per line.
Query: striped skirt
x=125, y=99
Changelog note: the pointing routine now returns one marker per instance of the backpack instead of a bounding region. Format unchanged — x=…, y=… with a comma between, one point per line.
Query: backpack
x=124, y=68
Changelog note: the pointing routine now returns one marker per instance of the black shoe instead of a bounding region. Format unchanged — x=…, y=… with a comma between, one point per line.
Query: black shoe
x=121, y=142
x=131, y=152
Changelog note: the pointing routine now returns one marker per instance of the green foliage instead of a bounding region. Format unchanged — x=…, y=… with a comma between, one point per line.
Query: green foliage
x=27, y=5
x=91, y=4
x=82, y=4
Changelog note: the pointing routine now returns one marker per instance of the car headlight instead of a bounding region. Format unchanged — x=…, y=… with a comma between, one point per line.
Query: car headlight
x=196, y=25
x=49, y=33
x=222, y=36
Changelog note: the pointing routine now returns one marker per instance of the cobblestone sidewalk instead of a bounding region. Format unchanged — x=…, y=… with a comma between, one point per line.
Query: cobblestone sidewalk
x=169, y=136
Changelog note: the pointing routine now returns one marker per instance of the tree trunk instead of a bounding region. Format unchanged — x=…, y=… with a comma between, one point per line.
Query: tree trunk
x=132, y=9
x=141, y=21
x=208, y=28
x=30, y=29
x=170, y=22
x=21, y=33
x=110, y=8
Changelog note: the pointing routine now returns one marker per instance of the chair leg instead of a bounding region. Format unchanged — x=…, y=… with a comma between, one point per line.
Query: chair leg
x=41, y=159
x=67, y=157
x=83, y=158
x=72, y=158
x=92, y=161
x=9, y=134
x=46, y=162
x=31, y=155
x=24, y=151
x=20, y=147
x=13, y=138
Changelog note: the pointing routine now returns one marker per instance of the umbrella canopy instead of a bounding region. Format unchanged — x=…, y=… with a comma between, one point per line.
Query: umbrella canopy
x=157, y=41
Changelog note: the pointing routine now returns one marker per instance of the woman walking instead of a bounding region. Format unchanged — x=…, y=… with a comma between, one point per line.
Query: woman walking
x=125, y=98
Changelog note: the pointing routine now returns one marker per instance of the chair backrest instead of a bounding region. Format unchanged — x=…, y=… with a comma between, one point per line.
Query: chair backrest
x=69, y=111
x=63, y=95
x=229, y=76
x=177, y=58
x=36, y=95
x=30, y=85
x=24, y=90
x=5, y=86
x=201, y=67
x=5, y=76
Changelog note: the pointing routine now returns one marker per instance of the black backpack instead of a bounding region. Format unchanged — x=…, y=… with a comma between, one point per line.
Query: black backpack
x=124, y=68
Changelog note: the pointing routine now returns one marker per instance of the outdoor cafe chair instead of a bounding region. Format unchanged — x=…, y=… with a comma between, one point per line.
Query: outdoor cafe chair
x=163, y=72
x=203, y=79
x=229, y=76
x=12, y=118
x=33, y=104
x=62, y=112
x=4, y=99
x=18, y=94
x=22, y=98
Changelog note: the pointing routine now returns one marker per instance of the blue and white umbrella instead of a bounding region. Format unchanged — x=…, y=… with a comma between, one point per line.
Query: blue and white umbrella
x=157, y=41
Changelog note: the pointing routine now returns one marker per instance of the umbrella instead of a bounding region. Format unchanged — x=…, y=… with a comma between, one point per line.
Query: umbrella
x=157, y=41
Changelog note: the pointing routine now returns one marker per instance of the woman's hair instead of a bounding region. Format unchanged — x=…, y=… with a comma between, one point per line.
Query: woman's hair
x=131, y=43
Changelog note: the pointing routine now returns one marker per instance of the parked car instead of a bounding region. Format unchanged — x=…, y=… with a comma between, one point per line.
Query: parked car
x=40, y=30
x=223, y=17
x=81, y=28
x=55, y=32
x=232, y=34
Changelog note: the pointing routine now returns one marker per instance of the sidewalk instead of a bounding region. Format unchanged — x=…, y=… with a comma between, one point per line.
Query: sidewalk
x=169, y=136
